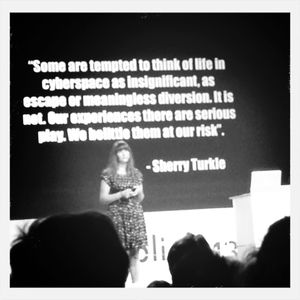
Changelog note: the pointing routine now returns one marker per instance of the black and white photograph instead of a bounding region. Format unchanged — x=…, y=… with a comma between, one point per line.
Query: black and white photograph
x=150, y=149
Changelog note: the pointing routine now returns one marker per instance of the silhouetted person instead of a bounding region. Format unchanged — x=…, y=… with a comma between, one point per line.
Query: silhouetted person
x=270, y=266
x=159, y=284
x=193, y=263
x=69, y=250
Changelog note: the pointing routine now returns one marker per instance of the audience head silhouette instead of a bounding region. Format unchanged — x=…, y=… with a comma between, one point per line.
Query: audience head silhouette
x=69, y=250
x=271, y=264
x=159, y=284
x=193, y=263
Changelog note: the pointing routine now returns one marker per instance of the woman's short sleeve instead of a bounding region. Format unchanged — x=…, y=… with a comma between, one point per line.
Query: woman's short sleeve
x=139, y=176
x=106, y=178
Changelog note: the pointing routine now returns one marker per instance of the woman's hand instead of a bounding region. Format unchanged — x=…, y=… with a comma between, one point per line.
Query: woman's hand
x=139, y=193
x=138, y=189
x=128, y=193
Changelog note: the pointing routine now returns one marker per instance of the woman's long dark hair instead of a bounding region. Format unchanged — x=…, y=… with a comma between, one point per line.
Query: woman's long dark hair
x=112, y=165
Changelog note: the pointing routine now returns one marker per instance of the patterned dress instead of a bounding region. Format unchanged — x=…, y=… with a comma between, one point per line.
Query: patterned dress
x=127, y=215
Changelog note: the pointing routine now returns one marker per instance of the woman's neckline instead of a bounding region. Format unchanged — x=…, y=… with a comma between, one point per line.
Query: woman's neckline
x=121, y=174
x=122, y=171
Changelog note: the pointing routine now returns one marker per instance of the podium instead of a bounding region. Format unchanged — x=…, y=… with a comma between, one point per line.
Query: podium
x=267, y=202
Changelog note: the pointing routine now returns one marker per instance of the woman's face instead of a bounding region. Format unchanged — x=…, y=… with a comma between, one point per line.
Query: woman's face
x=123, y=156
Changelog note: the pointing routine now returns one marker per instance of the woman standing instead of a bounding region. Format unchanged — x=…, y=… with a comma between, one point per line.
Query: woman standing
x=121, y=189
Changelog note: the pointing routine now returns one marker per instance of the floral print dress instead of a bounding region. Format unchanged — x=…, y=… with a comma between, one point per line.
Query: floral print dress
x=127, y=215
